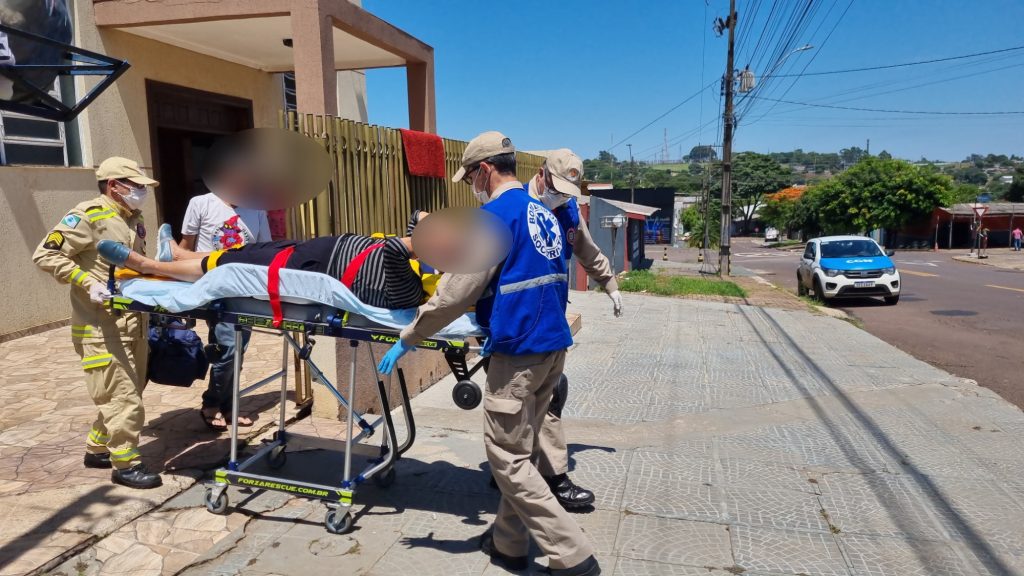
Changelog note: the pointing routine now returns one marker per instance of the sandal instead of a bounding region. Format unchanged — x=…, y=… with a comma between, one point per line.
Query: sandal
x=210, y=420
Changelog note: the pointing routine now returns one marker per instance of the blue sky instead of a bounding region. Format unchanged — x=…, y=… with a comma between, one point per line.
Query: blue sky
x=587, y=74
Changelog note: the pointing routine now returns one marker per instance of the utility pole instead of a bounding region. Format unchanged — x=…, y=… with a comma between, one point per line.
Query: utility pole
x=723, y=251
x=632, y=176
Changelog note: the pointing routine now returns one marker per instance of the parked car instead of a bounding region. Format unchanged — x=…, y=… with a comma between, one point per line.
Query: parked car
x=771, y=234
x=847, y=267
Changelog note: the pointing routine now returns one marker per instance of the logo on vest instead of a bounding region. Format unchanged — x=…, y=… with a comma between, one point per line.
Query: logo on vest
x=544, y=231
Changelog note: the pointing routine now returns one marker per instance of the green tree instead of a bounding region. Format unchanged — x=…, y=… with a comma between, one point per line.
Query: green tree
x=703, y=153
x=877, y=193
x=753, y=176
x=1016, y=191
x=884, y=155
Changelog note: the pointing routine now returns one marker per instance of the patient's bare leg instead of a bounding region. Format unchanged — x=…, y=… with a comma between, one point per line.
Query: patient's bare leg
x=186, y=270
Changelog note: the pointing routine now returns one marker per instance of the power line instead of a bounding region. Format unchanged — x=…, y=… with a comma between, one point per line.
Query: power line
x=929, y=112
x=667, y=112
x=933, y=61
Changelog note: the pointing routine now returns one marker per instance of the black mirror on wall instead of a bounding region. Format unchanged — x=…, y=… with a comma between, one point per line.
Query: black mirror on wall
x=35, y=50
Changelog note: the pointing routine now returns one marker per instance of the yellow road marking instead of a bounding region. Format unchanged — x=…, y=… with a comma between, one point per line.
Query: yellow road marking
x=916, y=273
x=1005, y=288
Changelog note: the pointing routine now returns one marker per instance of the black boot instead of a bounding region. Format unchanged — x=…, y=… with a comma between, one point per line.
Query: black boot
x=136, y=477
x=510, y=563
x=588, y=567
x=569, y=495
x=97, y=460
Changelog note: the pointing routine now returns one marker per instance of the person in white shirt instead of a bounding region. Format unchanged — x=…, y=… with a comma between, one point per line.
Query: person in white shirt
x=212, y=224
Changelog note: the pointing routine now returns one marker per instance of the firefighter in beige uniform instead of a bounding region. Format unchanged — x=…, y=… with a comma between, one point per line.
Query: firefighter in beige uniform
x=521, y=305
x=557, y=186
x=113, y=348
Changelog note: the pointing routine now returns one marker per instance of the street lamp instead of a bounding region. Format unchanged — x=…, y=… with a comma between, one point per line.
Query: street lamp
x=747, y=80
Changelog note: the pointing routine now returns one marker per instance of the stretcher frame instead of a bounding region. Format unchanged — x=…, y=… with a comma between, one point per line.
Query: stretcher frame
x=310, y=321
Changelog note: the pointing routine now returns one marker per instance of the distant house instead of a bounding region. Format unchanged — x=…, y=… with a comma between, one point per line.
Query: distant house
x=1006, y=179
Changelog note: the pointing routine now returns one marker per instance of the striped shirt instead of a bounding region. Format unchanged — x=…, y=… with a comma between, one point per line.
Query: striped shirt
x=385, y=278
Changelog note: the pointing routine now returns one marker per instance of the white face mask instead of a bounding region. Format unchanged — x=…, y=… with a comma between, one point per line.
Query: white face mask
x=553, y=198
x=481, y=195
x=136, y=198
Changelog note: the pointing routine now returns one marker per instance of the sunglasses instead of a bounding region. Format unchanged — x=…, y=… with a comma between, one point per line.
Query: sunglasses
x=470, y=174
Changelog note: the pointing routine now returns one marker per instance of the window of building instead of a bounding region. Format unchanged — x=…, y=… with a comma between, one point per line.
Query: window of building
x=30, y=140
x=290, y=104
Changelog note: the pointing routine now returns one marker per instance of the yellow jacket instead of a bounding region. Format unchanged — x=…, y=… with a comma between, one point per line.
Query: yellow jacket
x=69, y=253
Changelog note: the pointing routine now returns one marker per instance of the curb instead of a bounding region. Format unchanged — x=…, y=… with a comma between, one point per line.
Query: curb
x=977, y=262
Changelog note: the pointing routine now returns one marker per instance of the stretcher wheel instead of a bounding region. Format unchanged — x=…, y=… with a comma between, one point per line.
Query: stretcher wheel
x=338, y=522
x=218, y=505
x=385, y=479
x=277, y=458
x=467, y=395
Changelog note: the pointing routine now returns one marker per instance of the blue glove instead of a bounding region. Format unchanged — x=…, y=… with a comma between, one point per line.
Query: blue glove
x=388, y=362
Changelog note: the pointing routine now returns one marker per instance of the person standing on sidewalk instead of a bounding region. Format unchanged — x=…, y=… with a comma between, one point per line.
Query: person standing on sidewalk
x=557, y=186
x=521, y=305
x=1016, y=238
x=211, y=224
x=113, y=348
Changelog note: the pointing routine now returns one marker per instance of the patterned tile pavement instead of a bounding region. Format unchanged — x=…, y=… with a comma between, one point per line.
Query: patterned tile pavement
x=720, y=439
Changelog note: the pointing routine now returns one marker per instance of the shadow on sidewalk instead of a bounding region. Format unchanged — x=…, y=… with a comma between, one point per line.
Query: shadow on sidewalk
x=977, y=544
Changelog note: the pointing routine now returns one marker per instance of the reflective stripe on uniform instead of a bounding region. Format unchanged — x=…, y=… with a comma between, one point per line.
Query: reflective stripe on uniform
x=97, y=437
x=97, y=214
x=81, y=331
x=125, y=455
x=119, y=303
x=78, y=276
x=98, y=361
x=533, y=283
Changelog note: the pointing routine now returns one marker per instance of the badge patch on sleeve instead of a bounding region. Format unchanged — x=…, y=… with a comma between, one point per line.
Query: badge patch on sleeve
x=54, y=241
x=70, y=220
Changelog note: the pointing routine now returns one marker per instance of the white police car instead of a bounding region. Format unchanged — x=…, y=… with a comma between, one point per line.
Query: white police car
x=847, y=267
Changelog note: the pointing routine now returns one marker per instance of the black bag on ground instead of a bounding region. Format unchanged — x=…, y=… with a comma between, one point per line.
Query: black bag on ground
x=176, y=356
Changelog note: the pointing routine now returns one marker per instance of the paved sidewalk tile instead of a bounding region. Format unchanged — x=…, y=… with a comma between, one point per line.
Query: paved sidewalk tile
x=802, y=446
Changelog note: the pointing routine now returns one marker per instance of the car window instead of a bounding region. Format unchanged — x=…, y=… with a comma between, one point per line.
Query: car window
x=849, y=249
x=809, y=251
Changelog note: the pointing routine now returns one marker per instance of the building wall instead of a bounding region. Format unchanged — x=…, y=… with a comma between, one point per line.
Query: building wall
x=33, y=200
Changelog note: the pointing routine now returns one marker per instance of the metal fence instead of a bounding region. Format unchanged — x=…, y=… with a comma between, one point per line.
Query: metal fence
x=371, y=189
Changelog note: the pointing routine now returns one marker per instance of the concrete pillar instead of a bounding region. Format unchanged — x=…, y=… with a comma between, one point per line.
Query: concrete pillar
x=420, y=81
x=316, y=85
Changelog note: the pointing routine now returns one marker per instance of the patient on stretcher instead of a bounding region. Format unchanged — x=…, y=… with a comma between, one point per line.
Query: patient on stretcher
x=380, y=272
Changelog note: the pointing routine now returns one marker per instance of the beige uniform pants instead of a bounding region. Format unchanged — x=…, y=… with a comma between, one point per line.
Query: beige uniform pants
x=518, y=394
x=115, y=375
x=553, y=455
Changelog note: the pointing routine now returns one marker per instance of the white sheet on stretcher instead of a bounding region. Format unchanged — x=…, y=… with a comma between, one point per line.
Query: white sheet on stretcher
x=296, y=286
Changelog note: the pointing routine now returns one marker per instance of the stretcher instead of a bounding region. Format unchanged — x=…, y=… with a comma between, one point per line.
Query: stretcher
x=299, y=322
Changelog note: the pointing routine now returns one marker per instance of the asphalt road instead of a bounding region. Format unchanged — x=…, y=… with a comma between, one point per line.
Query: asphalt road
x=967, y=319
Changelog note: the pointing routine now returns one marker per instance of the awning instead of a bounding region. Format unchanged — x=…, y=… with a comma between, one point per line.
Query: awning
x=631, y=208
x=259, y=33
x=994, y=209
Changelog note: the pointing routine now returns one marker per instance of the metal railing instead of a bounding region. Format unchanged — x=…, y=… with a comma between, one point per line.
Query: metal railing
x=371, y=189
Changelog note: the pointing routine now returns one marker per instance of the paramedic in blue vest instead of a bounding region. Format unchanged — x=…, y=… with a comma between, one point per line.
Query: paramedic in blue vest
x=521, y=305
x=557, y=186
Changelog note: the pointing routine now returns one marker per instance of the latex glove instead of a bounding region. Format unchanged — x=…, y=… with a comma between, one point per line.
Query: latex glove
x=616, y=302
x=388, y=362
x=98, y=293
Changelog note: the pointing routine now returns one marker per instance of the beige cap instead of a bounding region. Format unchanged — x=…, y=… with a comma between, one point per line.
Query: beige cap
x=117, y=168
x=566, y=171
x=481, y=148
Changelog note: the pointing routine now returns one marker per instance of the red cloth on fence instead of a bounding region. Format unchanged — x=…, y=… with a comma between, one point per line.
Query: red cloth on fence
x=424, y=153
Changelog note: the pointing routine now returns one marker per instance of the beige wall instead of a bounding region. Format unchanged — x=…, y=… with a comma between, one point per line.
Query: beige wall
x=33, y=200
x=117, y=123
x=352, y=95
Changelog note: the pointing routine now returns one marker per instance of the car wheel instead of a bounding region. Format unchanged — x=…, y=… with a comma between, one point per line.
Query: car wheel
x=819, y=292
x=892, y=300
x=801, y=290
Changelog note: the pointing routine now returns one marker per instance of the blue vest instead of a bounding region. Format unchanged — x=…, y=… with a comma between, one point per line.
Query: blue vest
x=568, y=215
x=523, y=309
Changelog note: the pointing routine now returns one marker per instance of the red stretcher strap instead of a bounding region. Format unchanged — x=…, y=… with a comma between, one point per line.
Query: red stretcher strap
x=349, y=277
x=273, y=280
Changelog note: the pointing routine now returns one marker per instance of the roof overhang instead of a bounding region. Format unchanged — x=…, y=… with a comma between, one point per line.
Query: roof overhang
x=256, y=33
x=631, y=208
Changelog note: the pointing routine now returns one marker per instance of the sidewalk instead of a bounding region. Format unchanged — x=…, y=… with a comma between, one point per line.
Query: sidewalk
x=1004, y=258
x=720, y=439
x=49, y=502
